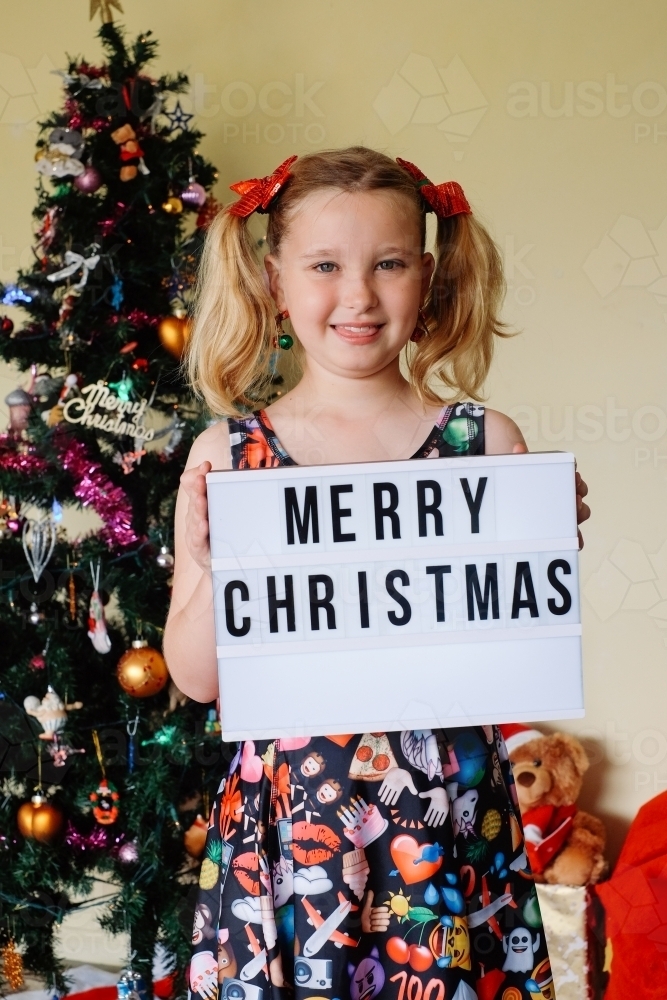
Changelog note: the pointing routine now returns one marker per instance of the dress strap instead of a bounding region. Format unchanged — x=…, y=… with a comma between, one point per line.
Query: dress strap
x=254, y=444
x=459, y=430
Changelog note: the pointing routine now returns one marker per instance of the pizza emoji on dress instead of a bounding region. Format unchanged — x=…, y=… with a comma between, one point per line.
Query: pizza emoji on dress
x=373, y=758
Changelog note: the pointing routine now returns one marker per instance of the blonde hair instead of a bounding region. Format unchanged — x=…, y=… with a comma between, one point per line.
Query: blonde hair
x=228, y=356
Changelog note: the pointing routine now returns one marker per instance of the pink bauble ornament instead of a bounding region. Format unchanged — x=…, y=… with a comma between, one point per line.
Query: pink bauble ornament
x=89, y=181
x=194, y=195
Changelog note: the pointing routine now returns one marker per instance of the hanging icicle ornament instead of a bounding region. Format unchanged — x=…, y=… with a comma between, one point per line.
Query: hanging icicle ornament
x=12, y=966
x=132, y=743
x=97, y=626
x=105, y=798
x=71, y=592
x=38, y=539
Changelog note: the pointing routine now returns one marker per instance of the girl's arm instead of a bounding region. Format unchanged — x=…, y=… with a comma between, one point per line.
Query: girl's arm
x=189, y=636
x=503, y=437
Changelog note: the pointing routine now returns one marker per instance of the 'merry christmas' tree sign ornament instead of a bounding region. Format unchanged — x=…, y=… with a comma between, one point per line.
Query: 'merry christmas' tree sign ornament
x=107, y=412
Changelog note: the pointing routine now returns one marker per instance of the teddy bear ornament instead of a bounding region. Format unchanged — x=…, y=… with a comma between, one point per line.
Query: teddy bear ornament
x=564, y=844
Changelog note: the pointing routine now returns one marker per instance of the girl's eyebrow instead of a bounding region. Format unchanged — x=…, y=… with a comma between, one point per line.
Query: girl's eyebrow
x=334, y=251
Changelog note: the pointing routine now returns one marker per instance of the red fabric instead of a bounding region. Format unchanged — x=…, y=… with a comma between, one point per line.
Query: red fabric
x=445, y=199
x=512, y=729
x=635, y=902
x=258, y=192
x=555, y=824
x=97, y=993
x=163, y=988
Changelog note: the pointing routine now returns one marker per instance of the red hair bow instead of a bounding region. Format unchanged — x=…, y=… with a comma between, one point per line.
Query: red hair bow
x=258, y=192
x=445, y=199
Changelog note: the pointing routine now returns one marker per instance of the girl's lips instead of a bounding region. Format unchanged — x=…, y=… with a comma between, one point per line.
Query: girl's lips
x=358, y=333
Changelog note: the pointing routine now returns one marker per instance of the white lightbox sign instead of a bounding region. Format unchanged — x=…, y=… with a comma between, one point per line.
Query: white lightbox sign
x=396, y=595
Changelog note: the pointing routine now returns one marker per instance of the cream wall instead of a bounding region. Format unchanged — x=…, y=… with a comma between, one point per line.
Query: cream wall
x=575, y=197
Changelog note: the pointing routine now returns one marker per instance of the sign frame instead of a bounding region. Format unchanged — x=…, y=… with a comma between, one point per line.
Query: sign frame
x=369, y=679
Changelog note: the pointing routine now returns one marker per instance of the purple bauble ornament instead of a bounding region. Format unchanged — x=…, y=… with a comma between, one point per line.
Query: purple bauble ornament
x=129, y=852
x=194, y=195
x=89, y=181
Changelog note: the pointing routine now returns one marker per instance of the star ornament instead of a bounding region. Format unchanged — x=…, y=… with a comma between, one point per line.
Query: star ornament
x=178, y=118
x=103, y=7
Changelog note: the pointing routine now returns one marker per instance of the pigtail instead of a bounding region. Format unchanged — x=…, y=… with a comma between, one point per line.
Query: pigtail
x=228, y=353
x=461, y=310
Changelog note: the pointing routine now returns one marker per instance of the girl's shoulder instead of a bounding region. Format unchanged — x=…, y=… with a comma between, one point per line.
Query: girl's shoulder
x=502, y=436
x=212, y=445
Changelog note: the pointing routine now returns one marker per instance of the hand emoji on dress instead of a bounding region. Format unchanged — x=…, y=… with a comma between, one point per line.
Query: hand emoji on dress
x=438, y=810
x=395, y=781
x=204, y=975
x=374, y=919
x=364, y=823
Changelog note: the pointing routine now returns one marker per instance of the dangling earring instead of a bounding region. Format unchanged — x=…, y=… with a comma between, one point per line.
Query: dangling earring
x=282, y=339
x=421, y=329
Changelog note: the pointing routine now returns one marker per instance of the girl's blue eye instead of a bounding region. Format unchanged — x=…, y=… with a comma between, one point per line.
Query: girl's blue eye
x=390, y=265
x=326, y=267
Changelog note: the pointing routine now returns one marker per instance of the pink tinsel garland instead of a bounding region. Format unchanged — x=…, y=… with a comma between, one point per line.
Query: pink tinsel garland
x=92, y=487
x=96, y=490
x=16, y=461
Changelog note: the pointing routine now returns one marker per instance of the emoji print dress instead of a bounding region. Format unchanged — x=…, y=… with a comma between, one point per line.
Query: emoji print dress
x=385, y=865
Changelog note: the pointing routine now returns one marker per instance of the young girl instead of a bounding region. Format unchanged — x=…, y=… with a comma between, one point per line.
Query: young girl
x=386, y=864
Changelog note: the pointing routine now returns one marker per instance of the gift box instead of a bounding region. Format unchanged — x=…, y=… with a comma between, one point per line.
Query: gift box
x=572, y=919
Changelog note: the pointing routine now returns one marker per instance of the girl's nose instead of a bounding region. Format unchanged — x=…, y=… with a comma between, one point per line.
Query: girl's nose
x=358, y=293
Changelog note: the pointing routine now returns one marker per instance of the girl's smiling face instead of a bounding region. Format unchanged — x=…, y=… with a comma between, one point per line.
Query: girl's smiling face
x=352, y=275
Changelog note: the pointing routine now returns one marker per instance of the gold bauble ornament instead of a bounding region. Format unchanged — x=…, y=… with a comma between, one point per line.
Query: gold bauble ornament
x=173, y=332
x=142, y=671
x=39, y=819
x=172, y=206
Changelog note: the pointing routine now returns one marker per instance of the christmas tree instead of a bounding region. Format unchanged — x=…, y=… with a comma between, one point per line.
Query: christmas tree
x=104, y=765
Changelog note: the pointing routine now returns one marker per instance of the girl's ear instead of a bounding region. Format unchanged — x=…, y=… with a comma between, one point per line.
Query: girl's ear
x=428, y=265
x=272, y=266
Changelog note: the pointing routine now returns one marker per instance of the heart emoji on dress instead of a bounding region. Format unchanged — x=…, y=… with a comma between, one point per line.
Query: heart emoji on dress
x=251, y=765
x=415, y=862
x=294, y=742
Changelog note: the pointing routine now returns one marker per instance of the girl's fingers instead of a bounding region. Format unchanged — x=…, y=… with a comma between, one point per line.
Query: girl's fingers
x=582, y=488
x=583, y=512
x=194, y=480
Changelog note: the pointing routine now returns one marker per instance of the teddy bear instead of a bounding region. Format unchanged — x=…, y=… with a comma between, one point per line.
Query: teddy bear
x=564, y=844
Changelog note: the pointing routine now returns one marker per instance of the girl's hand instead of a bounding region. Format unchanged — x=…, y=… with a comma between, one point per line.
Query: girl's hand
x=583, y=510
x=196, y=519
